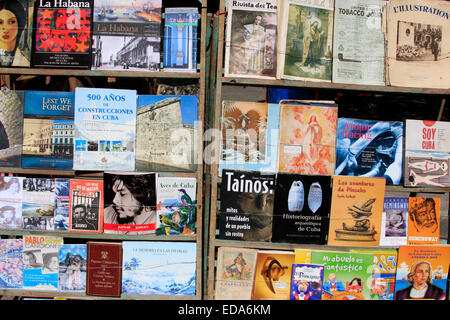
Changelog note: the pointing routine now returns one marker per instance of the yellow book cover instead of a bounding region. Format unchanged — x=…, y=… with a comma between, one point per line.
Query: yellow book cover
x=302, y=255
x=423, y=220
x=356, y=210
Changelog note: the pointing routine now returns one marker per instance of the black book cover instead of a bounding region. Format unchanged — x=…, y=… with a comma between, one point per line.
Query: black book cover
x=246, y=208
x=302, y=207
x=62, y=34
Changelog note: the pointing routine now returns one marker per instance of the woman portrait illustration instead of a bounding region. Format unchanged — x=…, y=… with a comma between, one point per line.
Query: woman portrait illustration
x=13, y=21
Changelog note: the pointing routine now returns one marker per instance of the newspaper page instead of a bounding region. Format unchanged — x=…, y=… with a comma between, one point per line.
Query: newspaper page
x=251, y=39
x=418, y=43
x=358, y=44
x=306, y=40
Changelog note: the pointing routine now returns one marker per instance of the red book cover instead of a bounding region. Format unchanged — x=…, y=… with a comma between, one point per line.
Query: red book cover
x=86, y=205
x=104, y=269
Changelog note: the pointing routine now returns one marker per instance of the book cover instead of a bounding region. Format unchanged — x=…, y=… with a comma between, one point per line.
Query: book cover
x=126, y=35
x=11, y=202
x=11, y=270
x=62, y=34
x=302, y=255
x=394, y=222
x=11, y=127
x=249, y=136
x=251, y=39
x=306, y=282
x=306, y=40
x=129, y=203
x=40, y=262
x=246, y=206
x=16, y=43
x=86, y=205
x=370, y=148
x=176, y=210
x=62, y=208
x=235, y=273
x=105, y=129
x=180, y=39
x=48, y=130
x=38, y=203
x=104, y=268
x=427, y=153
x=423, y=220
x=307, y=142
x=356, y=210
x=273, y=275
x=422, y=272
x=302, y=211
x=72, y=267
x=159, y=268
x=166, y=133
x=347, y=275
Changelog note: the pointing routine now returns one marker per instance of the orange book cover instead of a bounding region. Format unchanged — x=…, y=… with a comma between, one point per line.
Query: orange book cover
x=423, y=220
x=356, y=211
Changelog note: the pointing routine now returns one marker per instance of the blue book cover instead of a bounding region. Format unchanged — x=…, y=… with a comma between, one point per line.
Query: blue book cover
x=370, y=148
x=166, y=133
x=306, y=281
x=180, y=39
x=11, y=272
x=105, y=129
x=159, y=268
x=48, y=128
x=62, y=208
x=72, y=267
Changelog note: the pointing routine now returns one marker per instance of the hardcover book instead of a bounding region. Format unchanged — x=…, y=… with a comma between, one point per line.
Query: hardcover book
x=356, y=210
x=306, y=40
x=422, y=272
x=307, y=137
x=159, y=268
x=11, y=202
x=62, y=34
x=306, y=281
x=62, y=208
x=423, y=220
x=347, y=275
x=86, y=205
x=273, y=275
x=38, y=203
x=246, y=206
x=176, y=208
x=249, y=136
x=302, y=211
x=104, y=268
x=235, y=273
x=11, y=270
x=126, y=35
x=427, y=153
x=130, y=203
x=105, y=129
x=251, y=39
x=166, y=133
x=72, y=267
x=394, y=222
x=370, y=148
x=11, y=127
x=180, y=39
x=16, y=43
x=48, y=129
x=40, y=262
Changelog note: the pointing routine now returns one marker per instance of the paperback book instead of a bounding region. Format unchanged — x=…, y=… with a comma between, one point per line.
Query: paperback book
x=72, y=267
x=11, y=270
x=62, y=208
x=423, y=220
x=11, y=202
x=306, y=282
x=48, y=130
x=394, y=222
x=38, y=203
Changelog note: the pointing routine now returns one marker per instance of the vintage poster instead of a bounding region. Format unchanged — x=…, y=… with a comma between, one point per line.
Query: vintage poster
x=394, y=222
x=180, y=39
x=306, y=40
x=72, y=267
x=166, y=133
x=427, y=153
x=62, y=34
x=11, y=270
x=358, y=43
x=126, y=35
x=251, y=39
x=423, y=220
x=48, y=130
x=307, y=143
x=356, y=210
x=105, y=129
x=418, y=43
x=38, y=203
x=249, y=136
x=235, y=273
x=11, y=202
x=306, y=281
